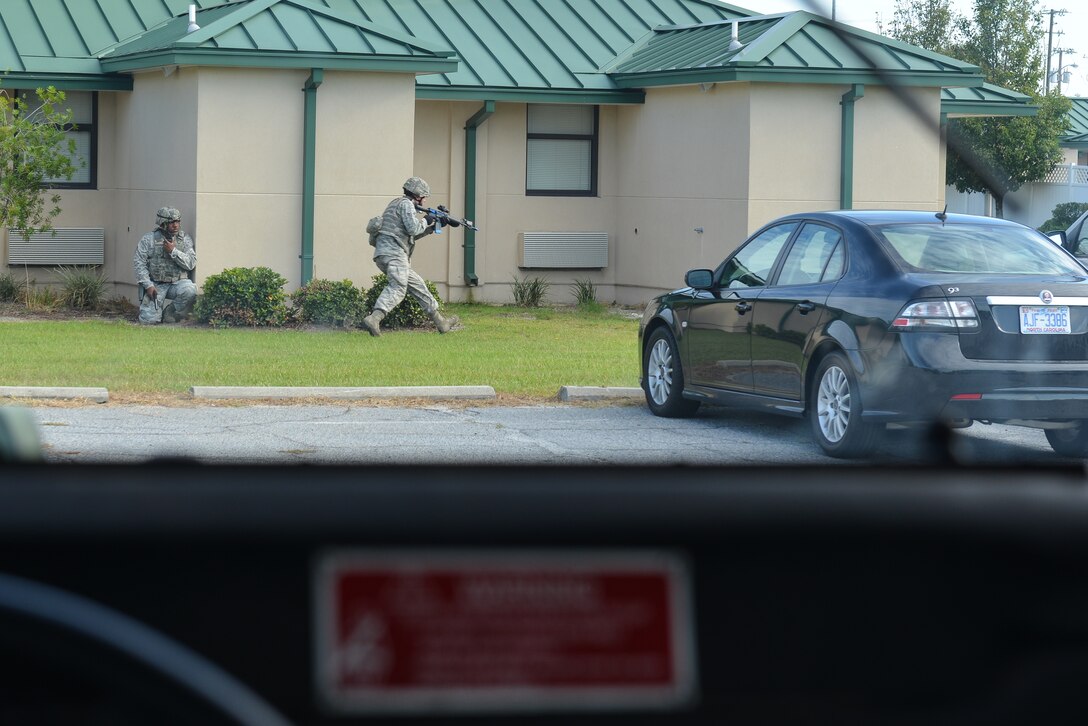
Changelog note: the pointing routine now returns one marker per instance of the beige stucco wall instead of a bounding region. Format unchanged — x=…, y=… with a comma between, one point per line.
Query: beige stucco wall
x=503, y=211
x=898, y=161
x=795, y=132
x=151, y=163
x=722, y=158
x=684, y=165
x=250, y=168
x=240, y=188
x=146, y=160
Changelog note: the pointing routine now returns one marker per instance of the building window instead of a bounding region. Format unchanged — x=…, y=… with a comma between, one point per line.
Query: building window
x=561, y=150
x=1082, y=157
x=84, y=106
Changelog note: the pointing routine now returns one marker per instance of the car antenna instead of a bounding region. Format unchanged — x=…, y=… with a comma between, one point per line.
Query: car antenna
x=943, y=215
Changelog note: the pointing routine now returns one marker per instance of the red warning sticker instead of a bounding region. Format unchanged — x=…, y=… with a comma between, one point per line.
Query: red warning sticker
x=438, y=632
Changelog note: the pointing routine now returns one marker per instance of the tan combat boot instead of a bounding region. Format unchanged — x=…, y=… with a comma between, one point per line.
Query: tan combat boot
x=373, y=322
x=443, y=324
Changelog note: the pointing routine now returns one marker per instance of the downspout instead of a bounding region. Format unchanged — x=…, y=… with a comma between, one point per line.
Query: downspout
x=309, y=145
x=846, y=172
x=470, y=187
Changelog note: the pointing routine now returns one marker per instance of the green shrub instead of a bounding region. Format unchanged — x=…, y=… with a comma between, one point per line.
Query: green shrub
x=82, y=287
x=1063, y=215
x=530, y=292
x=406, y=315
x=585, y=292
x=12, y=289
x=243, y=296
x=329, y=303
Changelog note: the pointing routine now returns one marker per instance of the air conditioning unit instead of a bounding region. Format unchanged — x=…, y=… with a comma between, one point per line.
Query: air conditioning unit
x=571, y=250
x=69, y=246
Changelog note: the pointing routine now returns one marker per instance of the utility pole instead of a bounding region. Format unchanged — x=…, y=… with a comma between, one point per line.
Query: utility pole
x=1061, y=65
x=1050, y=44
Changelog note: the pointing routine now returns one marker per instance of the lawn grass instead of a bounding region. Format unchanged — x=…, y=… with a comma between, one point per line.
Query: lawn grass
x=521, y=352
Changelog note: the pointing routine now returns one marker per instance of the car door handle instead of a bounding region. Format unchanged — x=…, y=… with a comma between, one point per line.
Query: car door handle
x=806, y=307
x=743, y=307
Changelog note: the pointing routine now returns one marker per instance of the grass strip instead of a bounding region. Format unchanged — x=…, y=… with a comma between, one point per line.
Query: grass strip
x=521, y=352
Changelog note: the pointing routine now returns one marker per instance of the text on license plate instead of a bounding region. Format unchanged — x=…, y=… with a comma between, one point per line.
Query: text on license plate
x=1044, y=320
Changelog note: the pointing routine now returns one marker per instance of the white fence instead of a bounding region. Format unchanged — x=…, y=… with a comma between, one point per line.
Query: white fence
x=1031, y=204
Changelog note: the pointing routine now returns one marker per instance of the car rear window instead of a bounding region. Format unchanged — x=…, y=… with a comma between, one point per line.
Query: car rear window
x=977, y=248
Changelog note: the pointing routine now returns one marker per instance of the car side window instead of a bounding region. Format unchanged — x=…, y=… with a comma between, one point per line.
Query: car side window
x=1080, y=247
x=752, y=263
x=807, y=261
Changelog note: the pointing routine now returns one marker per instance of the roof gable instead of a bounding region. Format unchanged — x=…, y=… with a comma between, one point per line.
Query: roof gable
x=986, y=100
x=1076, y=137
x=277, y=33
x=797, y=47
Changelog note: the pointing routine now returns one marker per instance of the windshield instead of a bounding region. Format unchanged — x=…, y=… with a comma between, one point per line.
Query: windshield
x=348, y=372
x=977, y=248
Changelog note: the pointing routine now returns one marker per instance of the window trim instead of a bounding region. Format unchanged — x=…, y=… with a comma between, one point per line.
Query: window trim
x=594, y=140
x=92, y=162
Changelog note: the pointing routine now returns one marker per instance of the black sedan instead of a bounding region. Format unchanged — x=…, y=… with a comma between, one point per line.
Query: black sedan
x=860, y=319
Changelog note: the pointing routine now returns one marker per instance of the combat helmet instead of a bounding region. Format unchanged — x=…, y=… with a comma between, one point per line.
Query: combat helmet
x=165, y=215
x=417, y=187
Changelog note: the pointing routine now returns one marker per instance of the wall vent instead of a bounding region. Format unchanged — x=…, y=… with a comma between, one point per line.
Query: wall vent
x=70, y=246
x=579, y=250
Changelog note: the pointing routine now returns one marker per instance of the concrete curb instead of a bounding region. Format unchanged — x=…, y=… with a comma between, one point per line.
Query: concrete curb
x=345, y=393
x=101, y=395
x=98, y=395
x=596, y=393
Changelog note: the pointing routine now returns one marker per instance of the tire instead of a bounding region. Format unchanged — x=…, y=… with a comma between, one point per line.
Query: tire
x=835, y=411
x=1069, y=442
x=663, y=377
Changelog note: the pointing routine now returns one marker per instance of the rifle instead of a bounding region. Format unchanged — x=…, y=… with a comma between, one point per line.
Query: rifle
x=442, y=219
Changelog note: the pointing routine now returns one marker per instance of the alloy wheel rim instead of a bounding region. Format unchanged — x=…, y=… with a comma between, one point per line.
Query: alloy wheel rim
x=833, y=404
x=659, y=372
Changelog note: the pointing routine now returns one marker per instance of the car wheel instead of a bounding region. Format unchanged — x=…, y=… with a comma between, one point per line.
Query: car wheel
x=1072, y=442
x=663, y=377
x=835, y=411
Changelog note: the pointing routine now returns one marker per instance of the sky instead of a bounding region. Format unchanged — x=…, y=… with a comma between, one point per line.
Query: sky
x=865, y=14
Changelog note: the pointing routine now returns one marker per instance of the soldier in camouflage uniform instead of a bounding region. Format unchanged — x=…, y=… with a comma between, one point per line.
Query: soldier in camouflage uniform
x=393, y=245
x=162, y=264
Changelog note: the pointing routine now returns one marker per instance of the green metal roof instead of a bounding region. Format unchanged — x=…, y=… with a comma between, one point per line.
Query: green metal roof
x=589, y=51
x=538, y=49
x=797, y=47
x=506, y=49
x=986, y=100
x=277, y=33
x=1076, y=137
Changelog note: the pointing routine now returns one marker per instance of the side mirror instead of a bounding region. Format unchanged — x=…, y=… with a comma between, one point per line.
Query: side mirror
x=1057, y=237
x=699, y=279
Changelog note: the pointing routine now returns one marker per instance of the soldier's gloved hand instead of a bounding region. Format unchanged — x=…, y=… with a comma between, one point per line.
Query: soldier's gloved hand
x=151, y=292
x=429, y=218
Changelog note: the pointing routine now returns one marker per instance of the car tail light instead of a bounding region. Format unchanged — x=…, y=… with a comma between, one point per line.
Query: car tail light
x=937, y=315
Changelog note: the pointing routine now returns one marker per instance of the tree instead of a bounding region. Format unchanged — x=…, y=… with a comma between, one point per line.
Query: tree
x=1063, y=215
x=929, y=24
x=1006, y=153
x=33, y=147
x=1002, y=37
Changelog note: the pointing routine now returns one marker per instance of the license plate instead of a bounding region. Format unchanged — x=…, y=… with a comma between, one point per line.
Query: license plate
x=1044, y=320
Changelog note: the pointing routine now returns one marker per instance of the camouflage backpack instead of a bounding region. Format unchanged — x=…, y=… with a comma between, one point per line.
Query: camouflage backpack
x=372, y=228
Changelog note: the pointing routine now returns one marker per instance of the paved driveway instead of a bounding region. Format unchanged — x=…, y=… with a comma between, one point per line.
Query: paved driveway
x=542, y=434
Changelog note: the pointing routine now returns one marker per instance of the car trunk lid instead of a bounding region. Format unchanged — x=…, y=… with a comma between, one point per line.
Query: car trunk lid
x=1037, y=320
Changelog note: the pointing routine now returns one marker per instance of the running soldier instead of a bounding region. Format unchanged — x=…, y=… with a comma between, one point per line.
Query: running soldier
x=393, y=246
